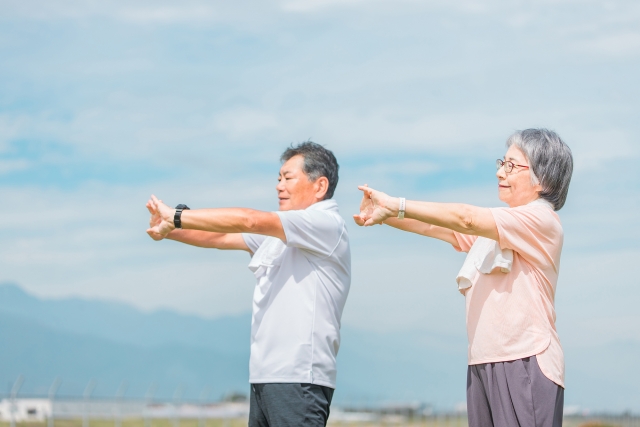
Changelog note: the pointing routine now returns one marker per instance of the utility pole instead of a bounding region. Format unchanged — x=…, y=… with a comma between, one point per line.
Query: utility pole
x=204, y=395
x=52, y=395
x=177, y=395
x=148, y=397
x=91, y=385
x=12, y=402
x=118, y=403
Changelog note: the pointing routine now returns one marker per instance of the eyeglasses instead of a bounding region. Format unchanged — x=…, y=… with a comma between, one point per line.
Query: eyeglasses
x=508, y=166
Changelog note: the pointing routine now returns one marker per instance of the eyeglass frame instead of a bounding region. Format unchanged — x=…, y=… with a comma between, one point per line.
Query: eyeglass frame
x=500, y=163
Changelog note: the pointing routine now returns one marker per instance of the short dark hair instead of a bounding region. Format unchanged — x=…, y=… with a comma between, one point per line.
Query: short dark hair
x=318, y=161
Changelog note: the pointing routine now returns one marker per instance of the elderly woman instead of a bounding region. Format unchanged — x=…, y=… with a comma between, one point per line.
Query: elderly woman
x=515, y=375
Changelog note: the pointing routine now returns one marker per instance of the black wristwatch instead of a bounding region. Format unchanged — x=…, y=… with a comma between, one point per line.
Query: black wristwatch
x=176, y=218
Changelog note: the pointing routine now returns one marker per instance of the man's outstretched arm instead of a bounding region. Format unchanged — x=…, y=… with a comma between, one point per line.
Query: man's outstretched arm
x=207, y=239
x=223, y=220
x=203, y=239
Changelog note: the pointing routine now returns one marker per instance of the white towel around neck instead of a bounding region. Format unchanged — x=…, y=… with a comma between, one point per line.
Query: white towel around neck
x=485, y=256
x=267, y=254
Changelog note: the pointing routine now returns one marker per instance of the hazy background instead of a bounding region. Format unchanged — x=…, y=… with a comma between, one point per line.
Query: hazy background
x=104, y=103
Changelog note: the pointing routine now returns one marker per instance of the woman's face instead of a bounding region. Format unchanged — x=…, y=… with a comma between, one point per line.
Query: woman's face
x=515, y=188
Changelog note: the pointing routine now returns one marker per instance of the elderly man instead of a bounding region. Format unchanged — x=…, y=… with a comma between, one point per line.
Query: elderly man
x=302, y=263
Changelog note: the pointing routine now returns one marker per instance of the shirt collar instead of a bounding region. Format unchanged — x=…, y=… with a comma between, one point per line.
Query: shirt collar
x=325, y=205
x=541, y=201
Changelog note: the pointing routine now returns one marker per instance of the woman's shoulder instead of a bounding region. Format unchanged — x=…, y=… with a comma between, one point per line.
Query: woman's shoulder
x=539, y=207
x=538, y=214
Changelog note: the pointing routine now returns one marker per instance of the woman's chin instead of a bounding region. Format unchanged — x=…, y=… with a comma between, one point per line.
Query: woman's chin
x=503, y=197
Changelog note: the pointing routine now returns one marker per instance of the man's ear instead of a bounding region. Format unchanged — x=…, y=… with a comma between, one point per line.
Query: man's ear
x=321, y=187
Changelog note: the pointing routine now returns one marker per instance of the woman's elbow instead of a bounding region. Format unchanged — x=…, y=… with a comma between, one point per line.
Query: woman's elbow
x=468, y=222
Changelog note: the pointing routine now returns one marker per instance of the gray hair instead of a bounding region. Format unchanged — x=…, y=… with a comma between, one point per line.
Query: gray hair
x=318, y=161
x=550, y=161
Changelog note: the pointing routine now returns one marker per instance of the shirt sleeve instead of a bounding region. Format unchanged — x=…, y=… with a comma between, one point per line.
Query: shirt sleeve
x=253, y=241
x=315, y=231
x=465, y=241
x=534, y=232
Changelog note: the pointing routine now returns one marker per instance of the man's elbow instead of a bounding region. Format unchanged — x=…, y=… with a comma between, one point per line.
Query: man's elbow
x=251, y=223
x=257, y=222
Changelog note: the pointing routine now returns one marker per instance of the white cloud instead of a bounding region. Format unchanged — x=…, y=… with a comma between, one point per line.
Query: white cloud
x=13, y=165
x=615, y=45
x=168, y=14
x=314, y=5
x=245, y=123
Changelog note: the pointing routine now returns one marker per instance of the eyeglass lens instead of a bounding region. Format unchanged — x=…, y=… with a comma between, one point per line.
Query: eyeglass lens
x=508, y=166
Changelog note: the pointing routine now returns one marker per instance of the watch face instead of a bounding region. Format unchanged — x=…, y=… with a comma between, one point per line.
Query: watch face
x=181, y=206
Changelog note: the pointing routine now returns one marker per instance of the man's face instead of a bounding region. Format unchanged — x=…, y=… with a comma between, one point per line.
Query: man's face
x=295, y=191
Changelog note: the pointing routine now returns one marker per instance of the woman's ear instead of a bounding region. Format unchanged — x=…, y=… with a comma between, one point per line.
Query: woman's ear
x=537, y=188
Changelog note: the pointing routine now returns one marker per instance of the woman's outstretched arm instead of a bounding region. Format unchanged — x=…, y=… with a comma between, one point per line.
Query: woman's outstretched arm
x=422, y=228
x=465, y=219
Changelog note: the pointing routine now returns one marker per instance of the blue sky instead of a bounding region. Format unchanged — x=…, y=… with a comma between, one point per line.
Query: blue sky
x=104, y=103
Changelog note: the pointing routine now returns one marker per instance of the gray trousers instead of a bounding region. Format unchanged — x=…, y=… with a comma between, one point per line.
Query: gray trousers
x=289, y=405
x=513, y=394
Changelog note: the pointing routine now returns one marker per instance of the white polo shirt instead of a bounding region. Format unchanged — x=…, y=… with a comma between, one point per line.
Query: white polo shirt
x=299, y=297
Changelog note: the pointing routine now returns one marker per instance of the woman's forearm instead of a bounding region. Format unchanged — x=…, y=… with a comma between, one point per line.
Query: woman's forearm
x=466, y=219
x=422, y=228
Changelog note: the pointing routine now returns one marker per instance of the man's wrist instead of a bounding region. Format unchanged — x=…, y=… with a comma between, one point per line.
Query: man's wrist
x=177, y=216
x=172, y=218
x=173, y=234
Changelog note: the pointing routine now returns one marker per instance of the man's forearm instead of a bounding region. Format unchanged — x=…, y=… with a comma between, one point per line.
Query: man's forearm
x=202, y=239
x=233, y=220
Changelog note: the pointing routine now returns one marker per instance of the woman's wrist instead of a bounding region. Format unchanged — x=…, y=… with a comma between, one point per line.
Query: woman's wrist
x=392, y=207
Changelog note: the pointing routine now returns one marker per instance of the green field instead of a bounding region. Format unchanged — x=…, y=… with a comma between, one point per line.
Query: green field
x=135, y=422
x=448, y=421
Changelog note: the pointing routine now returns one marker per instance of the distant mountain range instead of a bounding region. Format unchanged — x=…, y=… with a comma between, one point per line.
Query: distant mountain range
x=80, y=339
x=111, y=342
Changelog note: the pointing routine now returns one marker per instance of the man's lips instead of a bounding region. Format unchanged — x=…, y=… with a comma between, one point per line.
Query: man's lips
x=504, y=186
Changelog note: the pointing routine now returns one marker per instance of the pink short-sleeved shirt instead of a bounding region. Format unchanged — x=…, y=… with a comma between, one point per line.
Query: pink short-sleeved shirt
x=512, y=315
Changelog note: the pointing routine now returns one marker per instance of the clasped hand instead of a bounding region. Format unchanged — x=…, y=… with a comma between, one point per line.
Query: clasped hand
x=375, y=207
x=161, y=221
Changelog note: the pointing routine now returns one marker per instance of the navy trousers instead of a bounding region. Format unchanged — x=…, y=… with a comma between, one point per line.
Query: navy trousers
x=289, y=405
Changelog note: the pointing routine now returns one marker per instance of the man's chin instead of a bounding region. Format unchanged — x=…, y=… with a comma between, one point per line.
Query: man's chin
x=284, y=205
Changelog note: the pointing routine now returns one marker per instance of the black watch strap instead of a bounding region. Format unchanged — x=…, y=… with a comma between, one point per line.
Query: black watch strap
x=177, y=222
